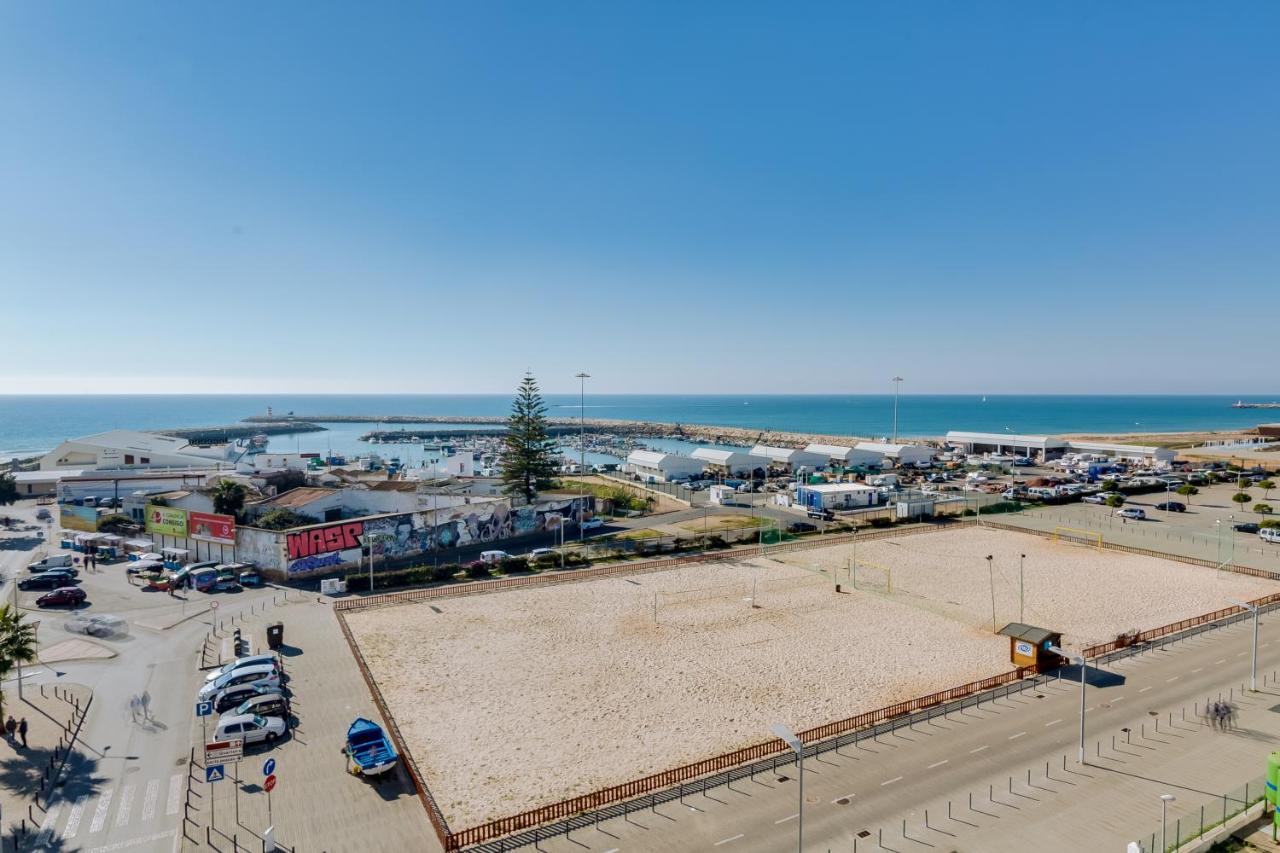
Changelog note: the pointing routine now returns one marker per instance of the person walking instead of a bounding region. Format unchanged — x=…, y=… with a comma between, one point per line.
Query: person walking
x=146, y=705
x=10, y=726
x=134, y=704
x=22, y=731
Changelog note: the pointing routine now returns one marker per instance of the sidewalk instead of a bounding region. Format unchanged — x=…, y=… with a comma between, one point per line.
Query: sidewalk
x=316, y=805
x=28, y=774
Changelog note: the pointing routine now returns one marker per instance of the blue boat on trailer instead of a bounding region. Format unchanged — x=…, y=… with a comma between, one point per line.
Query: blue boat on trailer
x=369, y=750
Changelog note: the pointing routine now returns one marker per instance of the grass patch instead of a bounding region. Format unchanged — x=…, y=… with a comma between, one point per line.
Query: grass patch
x=719, y=522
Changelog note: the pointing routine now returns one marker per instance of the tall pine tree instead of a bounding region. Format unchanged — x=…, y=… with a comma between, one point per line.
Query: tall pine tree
x=528, y=458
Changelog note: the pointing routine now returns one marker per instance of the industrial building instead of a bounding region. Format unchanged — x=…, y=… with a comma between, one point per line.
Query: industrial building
x=835, y=454
x=886, y=455
x=123, y=448
x=790, y=458
x=1125, y=452
x=837, y=496
x=1042, y=447
x=728, y=462
x=654, y=465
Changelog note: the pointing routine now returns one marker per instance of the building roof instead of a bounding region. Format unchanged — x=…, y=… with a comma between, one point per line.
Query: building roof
x=831, y=451
x=837, y=488
x=128, y=439
x=394, y=486
x=48, y=476
x=1027, y=633
x=717, y=456
x=1105, y=447
x=1004, y=438
x=300, y=496
x=656, y=458
x=886, y=448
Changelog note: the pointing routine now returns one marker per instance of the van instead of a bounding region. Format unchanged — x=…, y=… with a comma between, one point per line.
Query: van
x=1270, y=534
x=885, y=480
x=492, y=557
x=57, y=561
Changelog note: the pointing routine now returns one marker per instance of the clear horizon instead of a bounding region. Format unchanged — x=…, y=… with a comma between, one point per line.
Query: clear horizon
x=1003, y=199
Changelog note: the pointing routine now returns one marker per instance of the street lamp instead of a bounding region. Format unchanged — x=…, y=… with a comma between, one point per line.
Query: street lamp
x=1021, y=559
x=897, y=383
x=992, y=575
x=582, y=378
x=795, y=743
x=1253, y=669
x=1080, y=661
x=1165, y=799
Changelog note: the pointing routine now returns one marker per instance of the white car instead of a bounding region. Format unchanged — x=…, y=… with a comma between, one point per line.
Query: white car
x=537, y=553
x=252, y=660
x=251, y=727
x=1270, y=534
x=592, y=523
x=1132, y=512
x=98, y=626
x=264, y=675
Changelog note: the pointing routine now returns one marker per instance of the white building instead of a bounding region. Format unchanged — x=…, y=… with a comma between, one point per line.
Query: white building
x=790, y=458
x=1125, y=452
x=731, y=462
x=836, y=454
x=835, y=496
x=441, y=461
x=258, y=462
x=653, y=465
x=123, y=448
x=891, y=454
x=1043, y=447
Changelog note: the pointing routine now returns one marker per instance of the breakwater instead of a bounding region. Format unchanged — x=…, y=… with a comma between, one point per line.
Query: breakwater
x=223, y=434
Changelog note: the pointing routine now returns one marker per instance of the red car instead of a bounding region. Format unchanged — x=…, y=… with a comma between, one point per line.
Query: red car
x=63, y=595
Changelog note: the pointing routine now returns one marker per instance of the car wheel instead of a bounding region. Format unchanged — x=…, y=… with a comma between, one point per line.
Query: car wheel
x=271, y=736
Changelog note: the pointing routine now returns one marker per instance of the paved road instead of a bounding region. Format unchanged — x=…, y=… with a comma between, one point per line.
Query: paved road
x=875, y=787
x=127, y=780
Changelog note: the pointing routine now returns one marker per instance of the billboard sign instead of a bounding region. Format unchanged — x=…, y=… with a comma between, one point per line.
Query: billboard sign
x=166, y=521
x=211, y=528
x=82, y=518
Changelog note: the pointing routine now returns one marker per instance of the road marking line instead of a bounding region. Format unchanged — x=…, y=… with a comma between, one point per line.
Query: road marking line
x=1224, y=660
x=46, y=828
x=1053, y=722
x=1090, y=708
x=1240, y=654
x=1197, y=669
x=1143, y=689
x=938, y=763
x=1117, y=699
x=132, y=842
x=845, y=797
x=149, y=800
x=126, y=805
x=73, y=820
x=723, y=840
x=613, y=850
x=1175, y=678
x=979, y=749
x=175, y=791
x=891, y=781
x=100, y=813
x=1018, y=735
x=785, y=819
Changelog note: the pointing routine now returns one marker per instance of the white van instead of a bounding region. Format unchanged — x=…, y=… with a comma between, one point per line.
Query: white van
x=492, y=557
x=1270, y=534
x=884, y=480
x=57, y=561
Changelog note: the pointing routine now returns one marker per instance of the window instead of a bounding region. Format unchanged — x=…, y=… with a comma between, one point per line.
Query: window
x=145, y=460
x=128, y=459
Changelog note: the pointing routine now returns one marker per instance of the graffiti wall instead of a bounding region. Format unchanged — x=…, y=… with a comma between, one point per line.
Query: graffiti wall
x=328, y=547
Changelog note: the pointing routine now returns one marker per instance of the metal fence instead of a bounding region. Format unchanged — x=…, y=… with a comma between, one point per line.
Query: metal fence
x=1207, y=818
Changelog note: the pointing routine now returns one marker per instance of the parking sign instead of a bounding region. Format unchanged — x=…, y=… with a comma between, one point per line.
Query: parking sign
x=204, y=709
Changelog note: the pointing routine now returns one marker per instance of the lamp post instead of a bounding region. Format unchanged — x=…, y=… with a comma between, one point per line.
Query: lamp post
x=1022, y=558
x=1165, y=799
x=795, y=743
x=897, y=383
x=1080, y=661
x=582, y=377
x=1253, y=668
x=991, y=573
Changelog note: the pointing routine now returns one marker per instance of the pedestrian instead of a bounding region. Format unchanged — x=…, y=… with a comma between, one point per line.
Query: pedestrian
x=22, y=731
x=10, y=726
x=134, y=704
x=146, y=705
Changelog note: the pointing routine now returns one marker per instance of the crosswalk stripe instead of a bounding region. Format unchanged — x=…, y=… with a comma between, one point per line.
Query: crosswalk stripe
x=46, y=828
x=100, y=813
x=149, y=800
x=126, y=805
x=175, y=791
x=73, y=821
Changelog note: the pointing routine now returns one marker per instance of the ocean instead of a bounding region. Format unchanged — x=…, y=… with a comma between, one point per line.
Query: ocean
x=35, y=424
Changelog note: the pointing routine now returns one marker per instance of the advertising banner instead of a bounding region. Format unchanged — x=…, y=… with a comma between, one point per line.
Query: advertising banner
x=83, y=518
x=211, y=528
x=166, y=521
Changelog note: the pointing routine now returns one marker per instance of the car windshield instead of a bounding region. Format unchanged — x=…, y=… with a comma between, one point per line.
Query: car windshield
x=259, y=721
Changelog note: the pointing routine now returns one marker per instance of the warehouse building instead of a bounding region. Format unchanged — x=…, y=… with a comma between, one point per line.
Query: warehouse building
x=1125, y=452
x=728, y=462
x=1042, y=447
x=836, y=454
x=656, y=466
x=790, y=458
x=886, y=455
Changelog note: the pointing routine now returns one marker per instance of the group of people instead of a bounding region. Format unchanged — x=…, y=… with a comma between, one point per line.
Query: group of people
x=140, y=705
x=1221, y=715
x=91, y=559
x=14, y=729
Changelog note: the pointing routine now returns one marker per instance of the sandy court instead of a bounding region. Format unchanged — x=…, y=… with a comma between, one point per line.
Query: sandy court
x=522, y=698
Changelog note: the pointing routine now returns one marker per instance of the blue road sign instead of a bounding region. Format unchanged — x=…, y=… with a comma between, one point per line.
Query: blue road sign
x=204, y=709
x=269, y=767
x=214, y=773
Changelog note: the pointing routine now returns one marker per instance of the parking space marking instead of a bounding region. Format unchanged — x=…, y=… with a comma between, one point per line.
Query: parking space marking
x=979, y=749
x=723, y=840
x=785, y=819
x=1144, y=689
x=845, y=797
x=938, y=763
x=891, y=781
x=1053, y=722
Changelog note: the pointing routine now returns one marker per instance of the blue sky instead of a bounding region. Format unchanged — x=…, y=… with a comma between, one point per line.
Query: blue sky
x=411, y=197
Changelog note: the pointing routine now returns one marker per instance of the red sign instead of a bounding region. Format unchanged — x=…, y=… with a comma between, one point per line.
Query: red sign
x=269, y=783
x=343, y=536
x=211, y=528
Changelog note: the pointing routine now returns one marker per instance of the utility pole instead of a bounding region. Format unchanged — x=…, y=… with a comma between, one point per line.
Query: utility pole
x=582, y=378
x=1021, y=559
x=897, y=382
x=991, y=572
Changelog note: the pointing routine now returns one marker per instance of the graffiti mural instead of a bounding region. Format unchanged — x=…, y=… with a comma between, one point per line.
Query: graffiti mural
x=394, y=537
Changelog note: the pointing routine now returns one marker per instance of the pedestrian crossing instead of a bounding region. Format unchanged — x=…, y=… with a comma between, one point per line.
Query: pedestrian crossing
x=121, y=807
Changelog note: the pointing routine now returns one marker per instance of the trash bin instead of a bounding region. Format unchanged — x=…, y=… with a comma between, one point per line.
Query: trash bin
x=275, y=635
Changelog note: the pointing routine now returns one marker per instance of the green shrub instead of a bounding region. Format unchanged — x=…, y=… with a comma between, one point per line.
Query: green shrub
x=477, y=569
x=1271, y=522
x=412, y=576
x=512, y=565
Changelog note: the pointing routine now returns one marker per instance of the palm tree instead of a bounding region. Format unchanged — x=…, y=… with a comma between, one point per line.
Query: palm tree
x=228, y=497
x=17, y=643
x=1187, y=490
